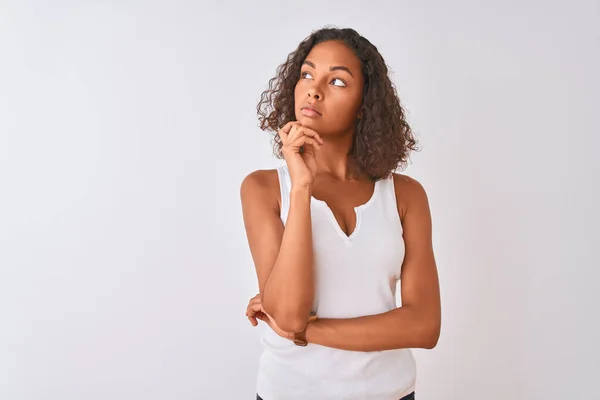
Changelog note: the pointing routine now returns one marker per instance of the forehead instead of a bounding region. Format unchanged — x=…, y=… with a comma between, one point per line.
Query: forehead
x=330, y=53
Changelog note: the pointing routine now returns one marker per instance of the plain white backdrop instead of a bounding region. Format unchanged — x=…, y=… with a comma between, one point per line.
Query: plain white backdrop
x=126, y=128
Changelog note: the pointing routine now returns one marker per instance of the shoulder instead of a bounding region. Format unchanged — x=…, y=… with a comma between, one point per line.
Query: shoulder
x=262, y=179
x=410, y=193
x=261, y=185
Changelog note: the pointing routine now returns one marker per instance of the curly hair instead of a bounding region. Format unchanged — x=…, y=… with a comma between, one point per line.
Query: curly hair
x=383, y=139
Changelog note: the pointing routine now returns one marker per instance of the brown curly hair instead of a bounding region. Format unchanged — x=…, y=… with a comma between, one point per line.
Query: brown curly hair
x=383, y=139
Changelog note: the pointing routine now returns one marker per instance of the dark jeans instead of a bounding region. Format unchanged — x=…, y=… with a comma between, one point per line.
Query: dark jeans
x=409, y=397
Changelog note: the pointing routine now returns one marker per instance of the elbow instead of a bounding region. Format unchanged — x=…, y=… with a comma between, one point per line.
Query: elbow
x=431, y=343
x=431, y=335
x=292, y=324
x=288, y=320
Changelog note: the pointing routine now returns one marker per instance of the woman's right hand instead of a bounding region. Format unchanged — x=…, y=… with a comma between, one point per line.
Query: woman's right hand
x=301, y=164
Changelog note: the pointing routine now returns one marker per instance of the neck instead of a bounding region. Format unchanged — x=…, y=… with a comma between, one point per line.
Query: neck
x=332, y=159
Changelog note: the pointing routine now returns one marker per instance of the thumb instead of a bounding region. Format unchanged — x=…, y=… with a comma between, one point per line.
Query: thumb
x=308, y=149
x=262, y=316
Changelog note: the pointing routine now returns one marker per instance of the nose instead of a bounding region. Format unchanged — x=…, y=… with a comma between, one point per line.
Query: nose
x=315, y=93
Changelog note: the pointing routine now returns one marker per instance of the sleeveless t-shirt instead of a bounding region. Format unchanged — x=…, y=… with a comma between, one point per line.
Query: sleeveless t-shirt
x=355, y=275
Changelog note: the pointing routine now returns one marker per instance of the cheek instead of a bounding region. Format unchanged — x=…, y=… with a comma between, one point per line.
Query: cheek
x=348, y=105
x=298, y=97
x=300, y=89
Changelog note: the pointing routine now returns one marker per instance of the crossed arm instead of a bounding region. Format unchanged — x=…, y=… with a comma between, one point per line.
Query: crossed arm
x=416, y=324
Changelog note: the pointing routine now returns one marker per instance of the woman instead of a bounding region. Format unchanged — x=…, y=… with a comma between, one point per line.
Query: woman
x=334, y=229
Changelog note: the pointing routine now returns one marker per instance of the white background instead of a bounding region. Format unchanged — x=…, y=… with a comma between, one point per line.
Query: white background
x=126, y=128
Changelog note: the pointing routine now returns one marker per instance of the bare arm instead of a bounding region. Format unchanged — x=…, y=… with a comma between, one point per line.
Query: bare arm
x=417, y=323
x=283, y=257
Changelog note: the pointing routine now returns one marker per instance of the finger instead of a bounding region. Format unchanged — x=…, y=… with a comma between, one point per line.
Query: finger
x=262, y=316
x=288, y=126
x=253, y=307
x=313, y=143
x=251, y=314
x=256, y=310
x=252, y=318
x=254, y=313
x=285, y=131
x=310, y=149
x=293, y=132
x=305, y=140
x=254, y=300
x=309, y=132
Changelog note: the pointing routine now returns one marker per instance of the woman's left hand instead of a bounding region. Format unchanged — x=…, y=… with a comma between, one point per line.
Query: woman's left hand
x=255, y=311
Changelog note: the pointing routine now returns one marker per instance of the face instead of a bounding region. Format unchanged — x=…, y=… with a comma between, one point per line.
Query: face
x=328, y=94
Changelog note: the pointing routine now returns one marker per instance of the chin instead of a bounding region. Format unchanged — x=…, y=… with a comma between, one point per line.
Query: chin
x=312, y=123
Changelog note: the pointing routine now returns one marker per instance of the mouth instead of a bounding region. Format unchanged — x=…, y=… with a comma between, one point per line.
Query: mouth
x=310, y=111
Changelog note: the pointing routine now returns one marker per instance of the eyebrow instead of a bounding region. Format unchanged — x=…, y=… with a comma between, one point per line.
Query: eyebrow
x=333, y=68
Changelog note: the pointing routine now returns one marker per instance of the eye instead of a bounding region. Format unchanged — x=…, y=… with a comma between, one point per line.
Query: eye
x=303, y=75
x=342, y=83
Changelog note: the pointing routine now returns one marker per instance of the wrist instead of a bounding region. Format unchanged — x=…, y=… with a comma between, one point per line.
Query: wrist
x=301, y=191
x=309, y=332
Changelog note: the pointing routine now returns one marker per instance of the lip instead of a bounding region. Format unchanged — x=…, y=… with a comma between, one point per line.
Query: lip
x=310, y=110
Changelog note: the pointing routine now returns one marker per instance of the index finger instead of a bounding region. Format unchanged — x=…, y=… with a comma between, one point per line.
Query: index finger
x=287, y=128
x=312, y=133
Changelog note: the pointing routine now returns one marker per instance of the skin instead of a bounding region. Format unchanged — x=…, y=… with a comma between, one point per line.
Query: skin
x=331, y=80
